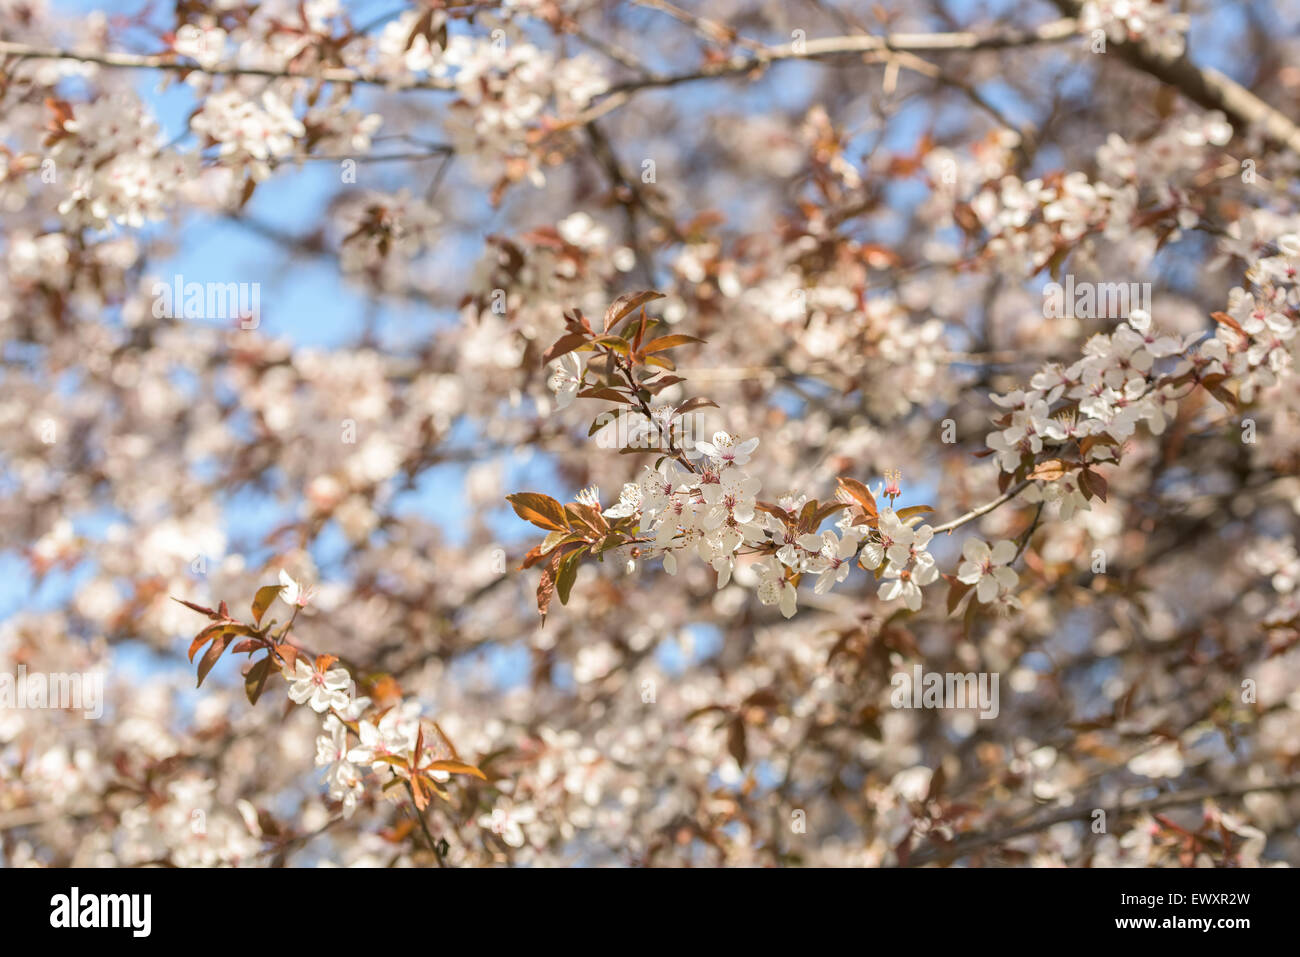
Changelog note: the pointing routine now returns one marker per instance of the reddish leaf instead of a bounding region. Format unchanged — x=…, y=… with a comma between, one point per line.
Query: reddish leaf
x=1050, y=470
x=604, y=392
x=255, y=679
x=199, y=608
x=826, y=511
x=203, y=637
x=699, y=402
x=1223, y=319
x=1097, y=485
x=542, y=510
x=628, y=303
x=859, y=493
x=263, y=599
x=658, y=385
x=563, y=346
x=212, y=655
x=546, y=587
x=457, y=767
x=956, y=592
x=667, y=342
x=906, y=513
x=775, y=511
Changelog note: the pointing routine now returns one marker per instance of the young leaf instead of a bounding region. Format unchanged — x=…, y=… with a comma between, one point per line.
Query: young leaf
x=563, y=346
x=626, y=304
x=905, y=513
x=567, y=574
x=212, y=655
x=542, y=510
x=690, y=405
x=860, y=494
x=667, y=342
x=546, y=587
x=604, y=392
x=956, y=592
x=199, y=608
x=203, y=637
x=457, y=767
x=263, y=600
x=255, y=679
x=1050, y=470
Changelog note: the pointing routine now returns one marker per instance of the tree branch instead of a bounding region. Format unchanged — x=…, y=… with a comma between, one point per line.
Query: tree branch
x=1084, y=810
x=1206, y=87
x=818, y=49
x=984, y=509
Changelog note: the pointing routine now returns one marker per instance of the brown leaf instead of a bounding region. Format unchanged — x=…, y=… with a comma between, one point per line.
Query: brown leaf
x=568, y=573
x=775, y=511
x=563, y=346
x=199, y=608
x=628, y=303
x=1098, y=486
x=417, y=793
x=860, y=494
x=658, y=385
x=202, y=638
x=690, y=405
x=542, y=510
x=956, y=592
x=255, y=679
x=546, y=587
x=212, y=655
x=1050, y=470
x=906, y=513
x=263, y=599
x=1223, y=319
x=826, y=511
x=806, y=513
x=457, y=767
x=736, y=741
x=667, y=342
x=606, y=393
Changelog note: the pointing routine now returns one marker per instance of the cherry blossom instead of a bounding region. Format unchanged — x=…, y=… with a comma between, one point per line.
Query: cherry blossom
x=987, y=568
x=319, y=690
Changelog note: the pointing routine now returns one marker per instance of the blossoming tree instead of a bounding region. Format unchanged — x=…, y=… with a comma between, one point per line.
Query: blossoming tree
x=748, y=365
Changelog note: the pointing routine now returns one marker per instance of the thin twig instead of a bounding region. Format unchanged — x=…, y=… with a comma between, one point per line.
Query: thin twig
x=984, y=509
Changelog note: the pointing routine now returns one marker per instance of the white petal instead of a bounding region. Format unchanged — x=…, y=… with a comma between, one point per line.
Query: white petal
x=1003, y=552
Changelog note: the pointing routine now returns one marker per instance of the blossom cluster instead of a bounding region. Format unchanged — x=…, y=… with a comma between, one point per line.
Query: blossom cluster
x=394, y=743
x=1142, y=195
x=699, y=500
x=1137, y=375
x=115, y=166
x=1153, y=21
x=250, y=133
